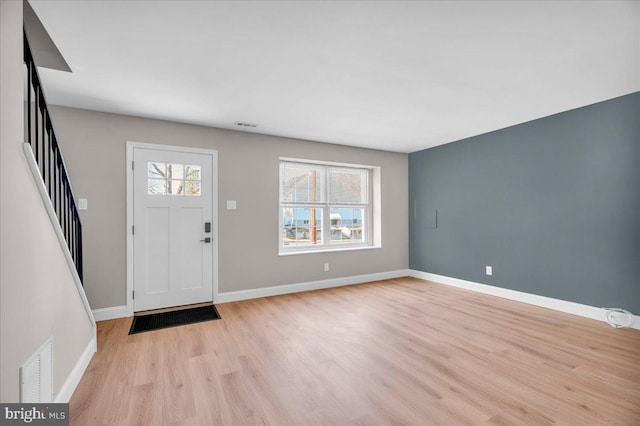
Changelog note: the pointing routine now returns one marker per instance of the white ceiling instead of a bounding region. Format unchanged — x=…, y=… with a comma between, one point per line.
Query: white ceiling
x=398, y=76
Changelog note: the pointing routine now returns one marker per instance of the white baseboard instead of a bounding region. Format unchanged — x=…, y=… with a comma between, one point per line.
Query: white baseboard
x=69, y=386
x=532, y=299
x=113, y=312
x=233, y=296
x=51, y=212
x=586, y=311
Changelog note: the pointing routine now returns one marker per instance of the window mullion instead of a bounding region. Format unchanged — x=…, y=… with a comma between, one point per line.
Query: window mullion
x=326, y=221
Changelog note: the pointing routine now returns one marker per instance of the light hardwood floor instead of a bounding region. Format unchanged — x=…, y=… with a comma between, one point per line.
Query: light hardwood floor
x=401, y=351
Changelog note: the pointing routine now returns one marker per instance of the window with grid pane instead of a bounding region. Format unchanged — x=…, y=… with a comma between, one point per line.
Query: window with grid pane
x=173, y=179
x=323, y=206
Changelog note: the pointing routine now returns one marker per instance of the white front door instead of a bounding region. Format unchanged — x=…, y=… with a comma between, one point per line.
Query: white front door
x=172, y=228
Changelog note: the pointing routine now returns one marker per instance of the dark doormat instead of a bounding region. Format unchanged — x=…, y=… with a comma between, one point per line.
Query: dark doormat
x=151, y=322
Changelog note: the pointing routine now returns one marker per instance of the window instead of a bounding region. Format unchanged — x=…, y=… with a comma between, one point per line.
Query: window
x=324, y=206
x=173, y=179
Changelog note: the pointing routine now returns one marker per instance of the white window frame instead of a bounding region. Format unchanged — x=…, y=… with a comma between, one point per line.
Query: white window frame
x=371, y=217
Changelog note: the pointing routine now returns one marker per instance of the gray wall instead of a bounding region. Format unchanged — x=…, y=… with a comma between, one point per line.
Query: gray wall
x=38, y=297
x=94, y=148
x=553, y=205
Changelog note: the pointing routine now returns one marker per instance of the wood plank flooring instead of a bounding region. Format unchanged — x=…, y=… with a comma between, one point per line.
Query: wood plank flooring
x=401, y=351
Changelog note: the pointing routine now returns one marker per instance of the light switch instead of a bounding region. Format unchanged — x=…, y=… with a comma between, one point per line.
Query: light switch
x=83, y=204
x=231, y=204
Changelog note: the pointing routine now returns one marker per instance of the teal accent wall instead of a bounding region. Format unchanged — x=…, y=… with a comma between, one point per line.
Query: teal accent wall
x=552, y=204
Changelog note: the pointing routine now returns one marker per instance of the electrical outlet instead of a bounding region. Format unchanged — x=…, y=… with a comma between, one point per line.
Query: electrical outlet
x=489, y=270
x=326, y=267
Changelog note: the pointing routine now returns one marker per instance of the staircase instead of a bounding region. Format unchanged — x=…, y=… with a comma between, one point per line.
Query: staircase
x=41, y=137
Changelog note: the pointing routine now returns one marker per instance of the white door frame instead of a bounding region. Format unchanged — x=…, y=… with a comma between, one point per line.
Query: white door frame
x=214, y=208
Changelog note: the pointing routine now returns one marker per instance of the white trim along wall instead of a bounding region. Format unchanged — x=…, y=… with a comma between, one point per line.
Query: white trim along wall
x=532, y=299
x=69, y=386
x=579, y=309
x=233, y=296
x=103, y=314
x=35, y=171
x=46, y=201
x=72, y=380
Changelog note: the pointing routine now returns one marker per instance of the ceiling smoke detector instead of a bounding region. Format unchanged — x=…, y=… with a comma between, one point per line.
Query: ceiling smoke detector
x=243, y=124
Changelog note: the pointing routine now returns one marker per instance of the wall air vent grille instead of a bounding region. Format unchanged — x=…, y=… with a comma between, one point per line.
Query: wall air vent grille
x=36, y=375
x=244, y=124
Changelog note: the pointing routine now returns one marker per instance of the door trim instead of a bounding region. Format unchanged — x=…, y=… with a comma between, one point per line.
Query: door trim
x=130, y=146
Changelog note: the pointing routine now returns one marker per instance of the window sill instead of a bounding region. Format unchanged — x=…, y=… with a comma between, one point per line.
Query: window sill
x=326, y=250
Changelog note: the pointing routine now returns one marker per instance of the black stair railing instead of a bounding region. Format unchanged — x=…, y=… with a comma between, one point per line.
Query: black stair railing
x=44, y=144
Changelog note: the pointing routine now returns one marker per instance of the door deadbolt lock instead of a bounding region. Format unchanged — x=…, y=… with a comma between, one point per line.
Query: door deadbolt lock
x=206, y=240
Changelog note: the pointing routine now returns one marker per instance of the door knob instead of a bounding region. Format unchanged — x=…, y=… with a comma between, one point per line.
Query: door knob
x=206, y=240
